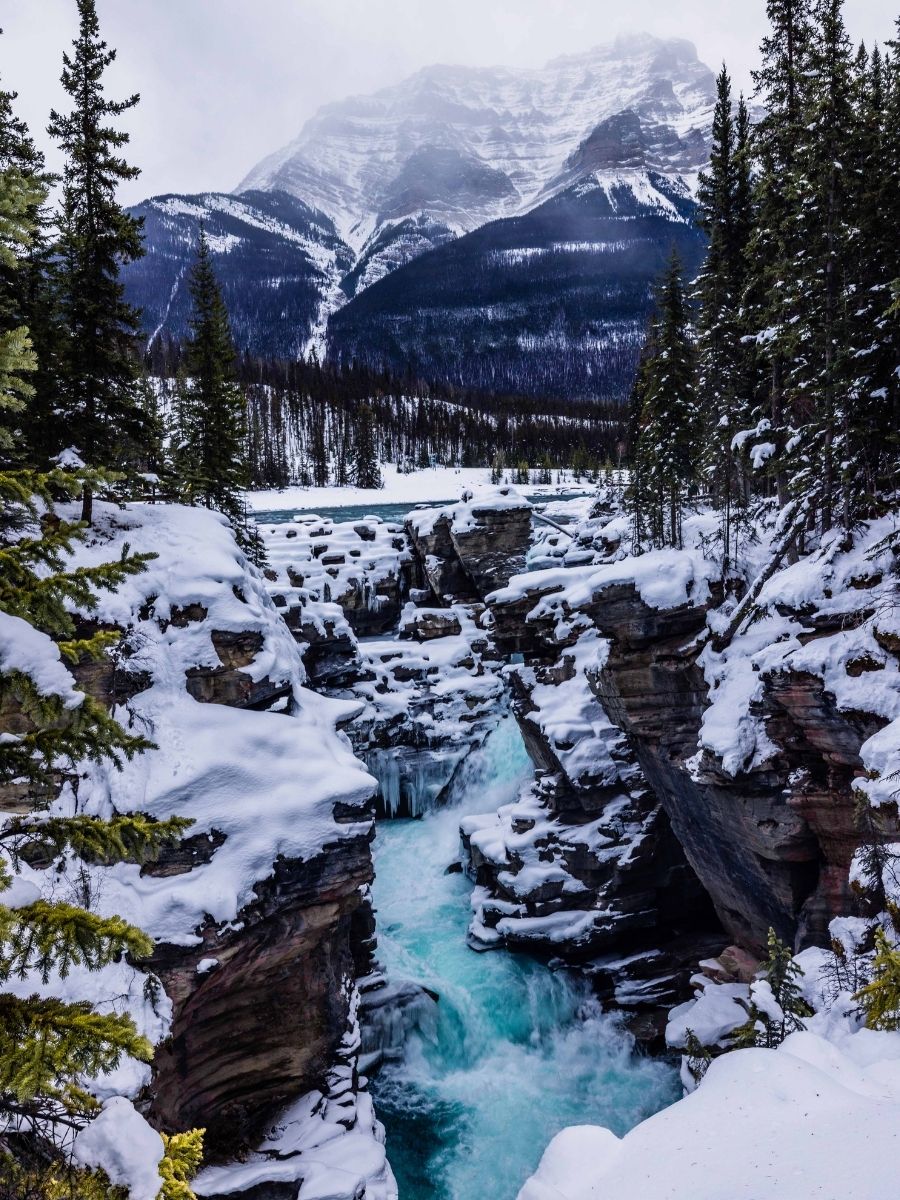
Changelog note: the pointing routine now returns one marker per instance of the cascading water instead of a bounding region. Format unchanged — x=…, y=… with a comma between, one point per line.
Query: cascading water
x=512, y=1052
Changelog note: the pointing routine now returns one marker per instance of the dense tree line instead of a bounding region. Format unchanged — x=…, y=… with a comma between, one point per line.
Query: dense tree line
x=775, y=381
x=305, y=419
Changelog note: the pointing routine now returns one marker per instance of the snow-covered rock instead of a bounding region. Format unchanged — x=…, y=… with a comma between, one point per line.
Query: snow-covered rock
x=269, y=881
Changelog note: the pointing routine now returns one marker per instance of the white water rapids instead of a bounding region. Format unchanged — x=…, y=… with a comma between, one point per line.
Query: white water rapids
x=512, y=1052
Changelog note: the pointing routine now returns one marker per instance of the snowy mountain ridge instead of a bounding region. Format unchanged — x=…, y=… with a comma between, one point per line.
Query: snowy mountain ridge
x=603, y=146
x=474, y=144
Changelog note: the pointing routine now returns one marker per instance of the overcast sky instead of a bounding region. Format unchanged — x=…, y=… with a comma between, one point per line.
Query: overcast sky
x=224, y=82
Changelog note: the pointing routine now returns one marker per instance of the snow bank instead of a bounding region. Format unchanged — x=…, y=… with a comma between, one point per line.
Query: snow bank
x=464, y=516
x=267, y=781
x=830, y=615
x=323, y=561
x=327, y=1145
x=810, y=1119
x=30, y=652
x=662, y=578
x=121, y=1142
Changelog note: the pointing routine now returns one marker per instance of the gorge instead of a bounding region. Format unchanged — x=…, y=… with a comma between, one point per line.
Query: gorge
x=587, y=819
x=504, y=804
x=516, y=683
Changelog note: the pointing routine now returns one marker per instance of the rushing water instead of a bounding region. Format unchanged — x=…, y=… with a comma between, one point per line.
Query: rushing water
x=514, y=1051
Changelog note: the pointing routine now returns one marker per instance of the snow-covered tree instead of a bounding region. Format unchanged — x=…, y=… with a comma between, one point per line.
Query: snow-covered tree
x=667, y=420
x=724, y=201
x=211, y=458
x=50, y=1047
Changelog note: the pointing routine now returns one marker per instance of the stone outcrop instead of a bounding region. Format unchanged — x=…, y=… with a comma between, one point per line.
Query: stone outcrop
x=261, y=1006
x=428, y=699
x=473, y=547
x=585, y=866
x=364, y=567
x=771, y=843
x=425, y=700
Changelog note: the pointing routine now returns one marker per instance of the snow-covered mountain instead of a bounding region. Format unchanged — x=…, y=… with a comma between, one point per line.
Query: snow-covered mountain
x=383, y=179
x=468, y=145
x=280, y=265
x=550, y=303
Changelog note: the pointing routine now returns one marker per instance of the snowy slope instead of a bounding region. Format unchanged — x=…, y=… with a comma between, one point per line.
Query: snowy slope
x=382, y=180
x=279, y=262
x=472, y=144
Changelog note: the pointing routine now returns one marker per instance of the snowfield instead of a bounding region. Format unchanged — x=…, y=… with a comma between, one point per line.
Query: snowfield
x=433, y=485
x=816, y=1119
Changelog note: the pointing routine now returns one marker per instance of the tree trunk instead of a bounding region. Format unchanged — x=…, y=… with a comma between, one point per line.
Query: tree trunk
x=87, y=505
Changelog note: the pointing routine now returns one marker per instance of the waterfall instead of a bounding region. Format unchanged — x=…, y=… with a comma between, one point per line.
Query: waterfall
x=411, y=781
x=473, y=1087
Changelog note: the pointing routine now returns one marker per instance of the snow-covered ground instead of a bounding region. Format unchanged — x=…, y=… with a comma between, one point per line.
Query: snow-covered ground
x=818, y=1117
x=812, y=1119
x=268, y=780
x=430, y=485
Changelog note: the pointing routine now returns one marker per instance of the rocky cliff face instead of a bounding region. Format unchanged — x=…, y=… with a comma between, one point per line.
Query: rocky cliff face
x=769, y=833
x=425, y=694
x=260, y=1009
x=260, y=916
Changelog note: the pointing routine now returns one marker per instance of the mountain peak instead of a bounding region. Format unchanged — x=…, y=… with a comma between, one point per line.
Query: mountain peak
x=516, y=130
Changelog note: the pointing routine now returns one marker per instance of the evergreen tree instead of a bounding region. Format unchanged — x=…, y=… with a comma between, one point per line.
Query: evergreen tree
x=769, y=1023
x=873, y=386
x=880, y=998
x=724, y=214
x=775, y=243
x=667, y=449
x=18, y=196
x=366, y=472
x=817, y=282
x=27, y=297
x=183, y=1156
x=47, y=1046
x=101, y=401
x=212, y=407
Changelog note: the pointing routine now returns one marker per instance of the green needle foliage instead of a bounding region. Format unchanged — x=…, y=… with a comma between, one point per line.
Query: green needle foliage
x=211, y=458
x=666, y=420
x=102, y=409
x=48, y=1047
x=783, y=976
x=880, y=998
x=53, y=937
x=184, y=1154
